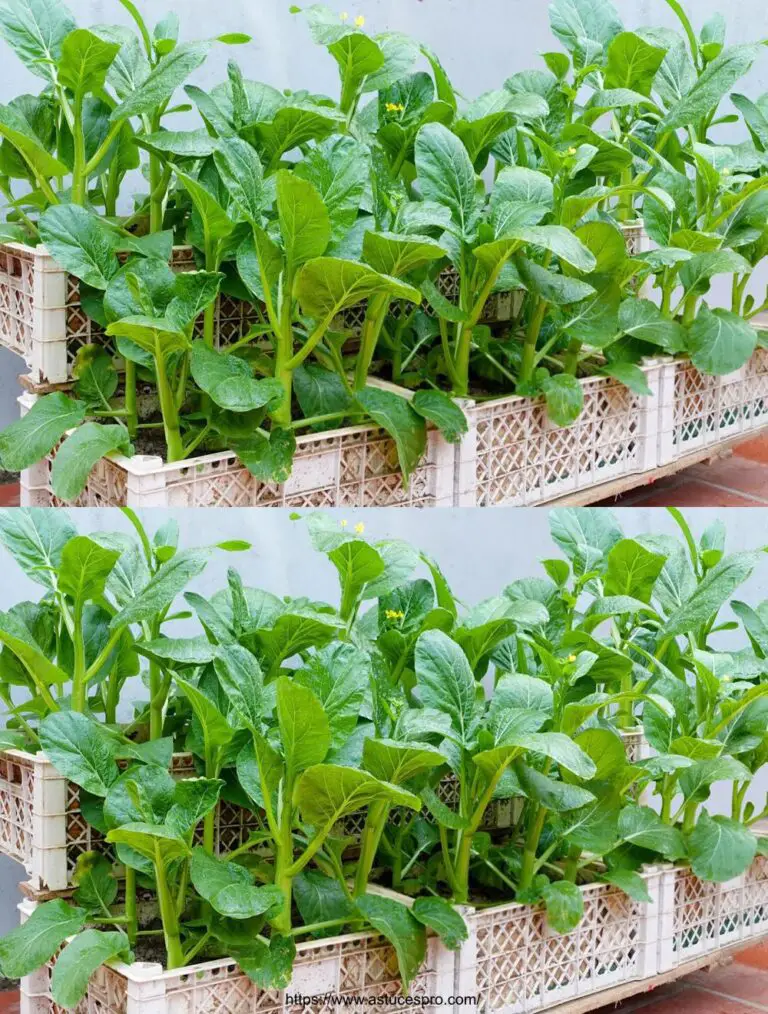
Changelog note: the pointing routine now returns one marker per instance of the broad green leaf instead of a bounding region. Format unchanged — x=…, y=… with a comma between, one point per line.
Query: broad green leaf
x=96, y=884
x=229, y=888
x=35, y=30
x=81, y=243
x=80, y=959
x=586, y=535
x=630, y=882
x=640, y=318
x=85, y=567
x=642, y=826
x=15, y=634
x=338, y=675
x=15, y=128
x=320, y=899
x=270, y=968
x=396, y=255
x=149, y=840
x=445, y=681
x=524, y=692
x=229, y=381
x=169, y=581
x=193, y=799
x=358, y=57
x=711, y=594
x=178, y=651
x=445, y=175
x=81, y=750
x=357, y=564
x=403, y=930
x=268, y=460
x=632, y=63
x=305, y=734
x=326, y=792
x=559, y=241
x=243, y=176
x=632, y=570
x=585, y=27
x=630, y=375
x=321, y=392
x=35, y=537
x=443, y=412
x=293, y=126
x=339, y=169
x=85, y=60
x=217, y=224
x=217, y=732
x=304, y=223
x=30, y=946
x=564, y=903
x=720, y=342
x=196, y=144
x=712, y=86
x=564, y=396
x=242, y=680
x=327, y=285
x=169, y=74
x=560, y=797
x=720, y=848
x=81, y=452
x=406, y=427
x=194, y=292
x=442, y=918
x=695, y=274
x=395, y=762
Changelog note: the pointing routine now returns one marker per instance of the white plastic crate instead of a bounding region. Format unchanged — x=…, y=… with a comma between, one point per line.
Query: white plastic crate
x=352, y=467
x=637, y=239
x=698, y=412
x=42, y=828
x=699, y=918
x=356, y=965
x=520, y=458
x=516, y=964
x=42, y=320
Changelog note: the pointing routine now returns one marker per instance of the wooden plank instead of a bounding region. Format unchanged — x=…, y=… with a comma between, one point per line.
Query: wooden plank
x=611, y=997
x=641, y=480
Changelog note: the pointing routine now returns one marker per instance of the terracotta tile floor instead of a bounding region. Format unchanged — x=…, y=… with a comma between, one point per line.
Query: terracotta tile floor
x=740, y=480
x=738, y=988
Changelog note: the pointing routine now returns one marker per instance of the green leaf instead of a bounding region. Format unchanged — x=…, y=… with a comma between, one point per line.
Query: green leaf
x=242, y=174
x=630, y=375
x=35, y=30
x=642, y=826
x=630, y=882
x=270, y=967
x=403, y=930
x=406, y=427
x=169, y=74
x=442, y=411
x=446, y=175
x=358, y=57
x=338, y=675
x=80, y=959
x=632, y=570
x=158, y=594
x=327, y=792
x=96, y=884
x=720, y=849
x=445, y=680
x=632, y=63
x=268, y=460
x=711, y=594
x=585, y=535
x=585, y=27
x=357, y=564
x=196, y=144
x=193, y=799
x=327, y=285
x=640, y=318
x=16, y=635
x=320, y=899
x=229, y=888
x=564, y=903
x=396, y=255
x=194, y=292
x=217, y=732
x=216, y=222
x=81, y=243
x=18, y=132
x=565, y=398
x=85, y=567
x=35, y=537
x=149, y=840
x=85, y=60
x=720, y=342
x=395, y=762
x=321, y=392
x=305, y=734
x=559, y=241
x=559, y=797
x=304, y=223
x=229, y=381
x=242, y=681
x=442, y=918
x=30, y=946
x=711, y=87
x=80, y=453
x=81, y=750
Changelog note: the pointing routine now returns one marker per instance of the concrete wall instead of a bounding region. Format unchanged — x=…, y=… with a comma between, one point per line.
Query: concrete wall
x=480, y=552
x=481, y=42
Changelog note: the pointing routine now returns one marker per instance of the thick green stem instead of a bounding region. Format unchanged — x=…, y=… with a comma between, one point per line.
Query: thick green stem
x=572, y=864
x=528, y=870
x=571, y=362
x=156, y=194
x=689, y=816
x=79, y=681
x=528, y=363
x=374, y=320
x=174, y=443
x=132, y=922
x=461, y=870
x=626, y=717
x=209, y=821
x=131, y=409
x=171, y=928
x=374, y=828
x=79, y=173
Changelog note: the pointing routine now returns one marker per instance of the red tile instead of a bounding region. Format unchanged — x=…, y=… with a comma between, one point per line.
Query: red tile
x=694, y=493
x=737, y=981
x=697, y=1001
x=9, y=1002
x=9, y=497
x=754, y=450
x=756, y=957
x=737, y=474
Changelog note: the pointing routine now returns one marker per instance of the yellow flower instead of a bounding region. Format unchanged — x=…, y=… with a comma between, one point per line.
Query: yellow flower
x=571, y=658
x=395, y=107
x=360, y=528
x=394, y=614
x=571, y=151
x=359, y=21
x=344, y=16
x=343, y=524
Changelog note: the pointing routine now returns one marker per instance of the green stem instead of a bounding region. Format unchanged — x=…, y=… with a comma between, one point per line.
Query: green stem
x=79, y=168
x=174, y=444
x=132, y=922
x=571, y=361
x=131, y=409
x=374, y=828
x=79, y=681
x=528, y=363
x=374, y=320
x=171, y=928
x=528, y=870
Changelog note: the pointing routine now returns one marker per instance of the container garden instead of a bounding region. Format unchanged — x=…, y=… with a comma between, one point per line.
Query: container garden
x=43, y=321
x=700, y=411
x=699, y=918
x=518, y=457
x=42, y=828
x=516, y=964
x=354, y=965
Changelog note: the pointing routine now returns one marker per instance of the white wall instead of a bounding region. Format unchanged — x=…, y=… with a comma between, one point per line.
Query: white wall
x=480, y=551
